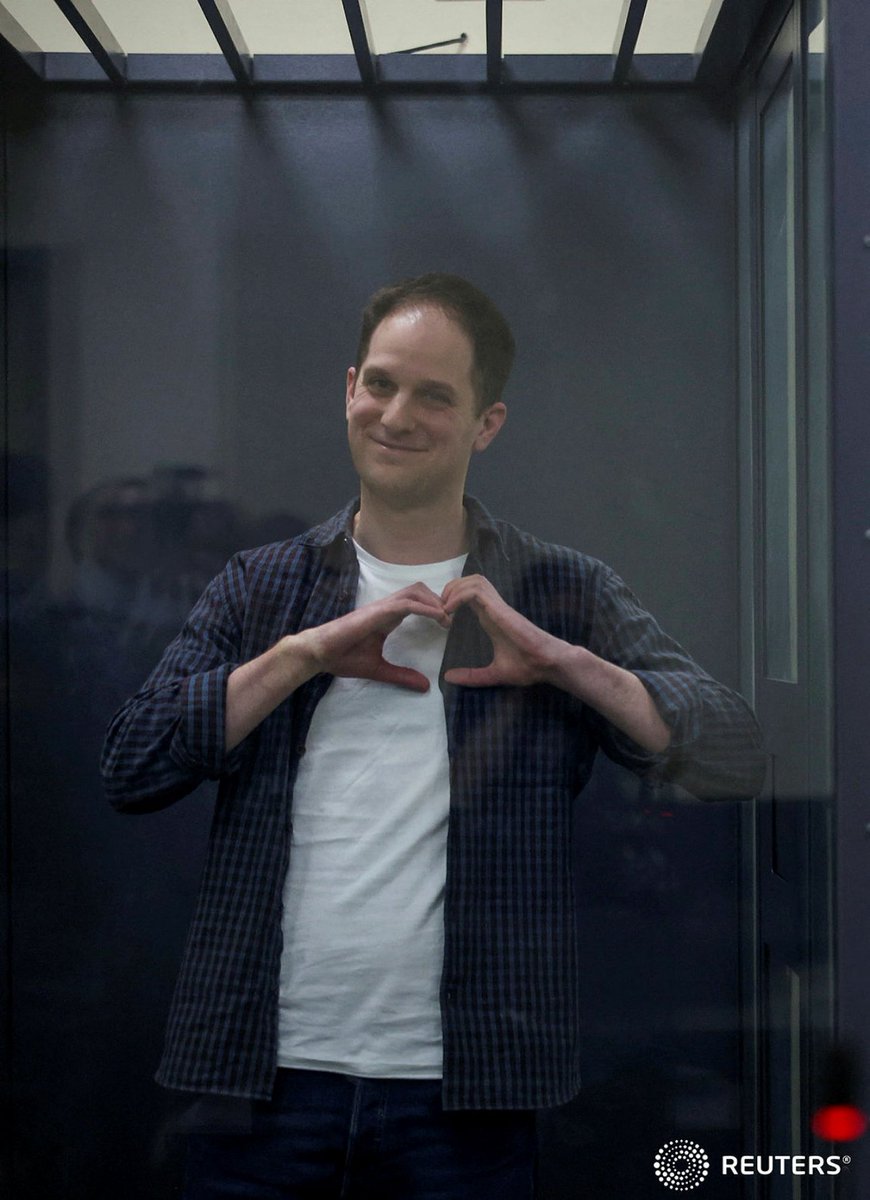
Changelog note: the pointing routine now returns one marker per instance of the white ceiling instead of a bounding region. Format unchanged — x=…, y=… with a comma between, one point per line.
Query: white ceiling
x=319, y=27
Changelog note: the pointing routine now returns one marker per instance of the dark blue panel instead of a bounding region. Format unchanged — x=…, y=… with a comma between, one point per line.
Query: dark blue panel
x=206, y=258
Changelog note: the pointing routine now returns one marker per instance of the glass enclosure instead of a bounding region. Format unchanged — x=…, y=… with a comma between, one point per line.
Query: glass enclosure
x=184, y=274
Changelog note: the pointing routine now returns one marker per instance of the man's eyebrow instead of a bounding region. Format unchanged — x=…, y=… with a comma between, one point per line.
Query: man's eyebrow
x=439, y=384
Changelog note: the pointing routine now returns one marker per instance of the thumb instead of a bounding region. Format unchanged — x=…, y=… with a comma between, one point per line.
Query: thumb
x=472, y=676
x=404, y=677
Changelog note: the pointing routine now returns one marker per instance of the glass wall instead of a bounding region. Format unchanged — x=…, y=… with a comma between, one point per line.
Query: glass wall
x=786, y=562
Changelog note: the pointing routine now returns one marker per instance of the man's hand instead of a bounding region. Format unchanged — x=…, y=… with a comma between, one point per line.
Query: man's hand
x=353, y=645
x=522, y=653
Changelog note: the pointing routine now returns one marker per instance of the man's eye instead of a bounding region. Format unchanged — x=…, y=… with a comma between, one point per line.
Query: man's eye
x=436, y=397
x=377, y=384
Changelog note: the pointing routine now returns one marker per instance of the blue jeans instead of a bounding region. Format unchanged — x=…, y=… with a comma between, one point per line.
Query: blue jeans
x=324, y=1136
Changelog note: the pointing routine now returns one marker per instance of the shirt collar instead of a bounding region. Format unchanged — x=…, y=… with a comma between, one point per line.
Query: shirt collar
x=336, y=534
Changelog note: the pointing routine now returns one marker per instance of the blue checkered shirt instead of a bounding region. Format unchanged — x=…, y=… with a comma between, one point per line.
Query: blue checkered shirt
x=518, y=759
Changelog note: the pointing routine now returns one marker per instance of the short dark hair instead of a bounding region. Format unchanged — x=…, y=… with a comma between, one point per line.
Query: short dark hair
x=473, y=311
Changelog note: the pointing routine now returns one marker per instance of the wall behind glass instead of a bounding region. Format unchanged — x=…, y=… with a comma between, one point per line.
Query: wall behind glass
x=185, y=277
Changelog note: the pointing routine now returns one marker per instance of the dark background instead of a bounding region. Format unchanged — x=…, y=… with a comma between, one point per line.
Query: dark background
x=184, y=277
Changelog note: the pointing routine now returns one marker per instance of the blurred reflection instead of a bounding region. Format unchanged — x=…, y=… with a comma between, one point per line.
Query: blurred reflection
x=145, y=548
x=105, y=529
x=88, y=974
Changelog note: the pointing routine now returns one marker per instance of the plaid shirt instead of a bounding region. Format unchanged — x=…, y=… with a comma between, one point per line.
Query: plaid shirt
x=518, y=759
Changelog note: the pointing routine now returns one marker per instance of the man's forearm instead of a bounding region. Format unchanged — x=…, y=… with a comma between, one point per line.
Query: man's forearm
x=617, y=694
x=256, y=688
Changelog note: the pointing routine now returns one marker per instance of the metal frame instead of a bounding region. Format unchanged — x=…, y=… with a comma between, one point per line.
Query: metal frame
x=633, y=12
x=494, y=27
x=396, y=72
x=736, y=25
x=357, y=26
x=734, y=32
x=848, y=31
x=229, y=37
x=22, y=43
x=836, y=546
x=97, y=36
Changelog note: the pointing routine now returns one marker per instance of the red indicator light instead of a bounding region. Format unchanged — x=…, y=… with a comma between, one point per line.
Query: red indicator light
x=839, y=1123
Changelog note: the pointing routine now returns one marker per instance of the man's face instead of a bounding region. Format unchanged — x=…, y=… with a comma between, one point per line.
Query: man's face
x=412, y=412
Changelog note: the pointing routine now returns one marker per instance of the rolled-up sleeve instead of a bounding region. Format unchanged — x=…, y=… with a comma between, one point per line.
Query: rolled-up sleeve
x=716, y=749
x=170, y=736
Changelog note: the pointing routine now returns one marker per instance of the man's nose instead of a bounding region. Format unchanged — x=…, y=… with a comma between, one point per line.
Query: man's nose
x=398, y=412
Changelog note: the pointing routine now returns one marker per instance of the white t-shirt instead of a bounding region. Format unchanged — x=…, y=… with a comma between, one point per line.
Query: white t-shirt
x=363, y=902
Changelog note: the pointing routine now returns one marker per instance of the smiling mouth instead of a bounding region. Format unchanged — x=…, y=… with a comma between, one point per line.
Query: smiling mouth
x=394, y=446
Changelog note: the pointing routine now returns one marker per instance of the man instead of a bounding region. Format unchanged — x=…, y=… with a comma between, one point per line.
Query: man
x=402, y=705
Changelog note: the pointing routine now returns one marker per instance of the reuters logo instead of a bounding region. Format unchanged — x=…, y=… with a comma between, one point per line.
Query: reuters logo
x=681, y=1165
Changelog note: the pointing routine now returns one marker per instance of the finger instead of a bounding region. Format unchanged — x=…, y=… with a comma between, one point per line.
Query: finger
x=473, y=676
x=404, y=677
x=464, y=580
x=470, y=589
x=435, y=611
x=484, y=607
x=460, y=584
x=457, y=596
x=419, y=591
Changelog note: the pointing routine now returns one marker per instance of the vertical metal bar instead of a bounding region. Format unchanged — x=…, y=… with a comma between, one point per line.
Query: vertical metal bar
x=730, y=39
x=97, y=36
x=357, y=25
x=494, y=25
x=228, y=36
x=849, y=115
x=6, y=1029
x=626, y=38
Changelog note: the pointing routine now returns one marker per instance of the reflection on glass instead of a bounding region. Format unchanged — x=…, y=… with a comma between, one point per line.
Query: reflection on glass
x=782, y=1109
x=816, y=43
x=817, y=376
x=817, y=224
x=778, y=383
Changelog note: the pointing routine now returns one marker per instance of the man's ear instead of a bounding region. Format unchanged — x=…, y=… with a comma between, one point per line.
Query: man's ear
x=492, y=420
x=351, y=384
